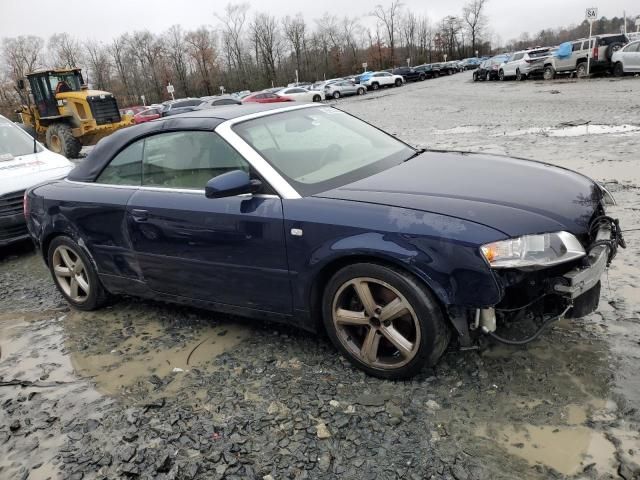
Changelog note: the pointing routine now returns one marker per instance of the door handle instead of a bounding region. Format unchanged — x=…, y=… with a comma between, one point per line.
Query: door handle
x=139, y=215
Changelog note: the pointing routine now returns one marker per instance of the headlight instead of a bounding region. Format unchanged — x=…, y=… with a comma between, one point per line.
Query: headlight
x=607, y=197
x=533, y=250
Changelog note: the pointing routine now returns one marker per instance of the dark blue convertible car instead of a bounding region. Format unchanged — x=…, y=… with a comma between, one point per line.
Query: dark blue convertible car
x=307, y=215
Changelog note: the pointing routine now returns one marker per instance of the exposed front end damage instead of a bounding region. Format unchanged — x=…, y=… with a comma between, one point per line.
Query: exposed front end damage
x=535, y=298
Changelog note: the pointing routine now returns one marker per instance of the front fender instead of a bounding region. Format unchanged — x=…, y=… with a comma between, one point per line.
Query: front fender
x=442, y=251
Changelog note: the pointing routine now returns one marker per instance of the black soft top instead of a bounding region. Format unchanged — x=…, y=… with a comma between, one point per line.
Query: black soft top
x=205, y=120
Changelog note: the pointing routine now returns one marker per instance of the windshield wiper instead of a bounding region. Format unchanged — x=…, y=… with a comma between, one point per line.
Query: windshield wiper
x=416, y=153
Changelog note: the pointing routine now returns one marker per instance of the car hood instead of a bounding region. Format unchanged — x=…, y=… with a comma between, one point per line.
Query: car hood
x=20, y=173
x=514, y=196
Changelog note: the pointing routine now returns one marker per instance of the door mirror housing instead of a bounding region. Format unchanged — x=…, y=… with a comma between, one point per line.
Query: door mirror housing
x=235, y=182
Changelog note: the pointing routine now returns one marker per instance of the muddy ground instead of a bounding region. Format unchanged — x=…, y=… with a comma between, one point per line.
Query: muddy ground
x=148, y=390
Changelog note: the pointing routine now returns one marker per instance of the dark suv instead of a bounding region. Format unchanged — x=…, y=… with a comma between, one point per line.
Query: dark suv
x=409, y=74
x=430, y=71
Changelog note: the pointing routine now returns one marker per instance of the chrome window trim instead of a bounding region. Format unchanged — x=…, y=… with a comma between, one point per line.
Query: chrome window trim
x=262, y=166
x=192, y=191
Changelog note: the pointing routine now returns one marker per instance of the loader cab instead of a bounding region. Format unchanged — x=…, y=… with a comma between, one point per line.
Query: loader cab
x=45, y=84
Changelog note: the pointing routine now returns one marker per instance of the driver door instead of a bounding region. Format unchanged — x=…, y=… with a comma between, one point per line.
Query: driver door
x=227, y=250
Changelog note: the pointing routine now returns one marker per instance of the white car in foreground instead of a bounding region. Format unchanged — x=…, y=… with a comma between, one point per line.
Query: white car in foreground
x=627, y=59
x=300, y=94
x=23, y=164
x=383, y=79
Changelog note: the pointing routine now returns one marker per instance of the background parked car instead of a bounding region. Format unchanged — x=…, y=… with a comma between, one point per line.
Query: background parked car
x=382, y=79
x=217, y=101
x=265, y=97
x=410, y=74
x=601, y=48
x=183, y=105
x=147, y=115
x=524, y=64
x=132, y=110
x=343, y=89
x=627, y=59
x=429, y=71
x=300, y=94
x=23, y=164
x=488, y=69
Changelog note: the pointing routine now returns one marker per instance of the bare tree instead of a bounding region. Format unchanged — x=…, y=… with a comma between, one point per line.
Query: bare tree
x=473, y=15
x=233, y=22
x=389, y=17
x=201, y=44
x=294, y=30
x=99, y=66
x=176, y=50
x=66, y=50
x=266, y=36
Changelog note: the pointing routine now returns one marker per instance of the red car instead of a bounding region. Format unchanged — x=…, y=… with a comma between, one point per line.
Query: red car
x=147, y=115
x=265, y=97
x=132, y=110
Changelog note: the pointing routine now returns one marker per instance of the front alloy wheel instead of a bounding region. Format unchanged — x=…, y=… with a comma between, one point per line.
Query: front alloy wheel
x=384, y=320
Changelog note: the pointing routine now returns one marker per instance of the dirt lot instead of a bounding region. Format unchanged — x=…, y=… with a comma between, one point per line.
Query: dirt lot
x=147, y=390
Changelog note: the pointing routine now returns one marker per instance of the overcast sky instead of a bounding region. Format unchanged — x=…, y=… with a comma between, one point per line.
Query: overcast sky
x=103, y=20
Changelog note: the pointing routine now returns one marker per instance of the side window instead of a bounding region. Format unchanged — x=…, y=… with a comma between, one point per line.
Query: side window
x=187, y=159
x=634, y=47
x=125, y=168
x=517, y=57
x=576, y=46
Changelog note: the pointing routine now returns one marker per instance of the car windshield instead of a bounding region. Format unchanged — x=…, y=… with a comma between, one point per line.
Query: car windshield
x=317, y=149
x=14, y=141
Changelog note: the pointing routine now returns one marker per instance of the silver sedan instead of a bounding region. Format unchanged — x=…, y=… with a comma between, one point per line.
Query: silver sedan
x=342, y=89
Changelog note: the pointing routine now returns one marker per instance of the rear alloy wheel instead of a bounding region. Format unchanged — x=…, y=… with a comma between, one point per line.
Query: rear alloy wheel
x=423, y=77
x=336, y=95
x=60, y=139
x=398, y=82
x=317, y=98
x=375, y=86
x=75, y=275
x=361, y=91
x=618, y=69
x=383, y=320
x=549, y=73
x=501, y=75
x=520, y=76
x=581, y=70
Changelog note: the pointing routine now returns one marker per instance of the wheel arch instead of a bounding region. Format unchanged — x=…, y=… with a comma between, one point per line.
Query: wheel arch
x=332, y=266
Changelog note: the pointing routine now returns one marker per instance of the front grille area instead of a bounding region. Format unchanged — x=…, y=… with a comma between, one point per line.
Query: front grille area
x=11, y=203
x=104, y=110
x=14, y=231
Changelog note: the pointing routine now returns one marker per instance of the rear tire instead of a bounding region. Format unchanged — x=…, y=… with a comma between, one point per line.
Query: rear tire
x=398, y=82
x=618, y=69
x=74, y=275
x=375, y=86
x=487, y=77
x=361, y=91
x=475, y=76
x=418, y=329
x=423, y=77
x=336, y=95
x=581, y=70
x=520, y=76
x=60, y=139
x=317, y=98
x=501, y=75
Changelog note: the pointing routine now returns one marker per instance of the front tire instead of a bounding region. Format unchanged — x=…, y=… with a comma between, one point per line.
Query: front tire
x=520, y=76
x=398, y=82
x=74, y=275
x=60, y=139
x=317, y=98
x=501, y=75
x=618, y=69
x=581, y=70
x=383, y=320
x=375, y=86
x=336, y=95
x=361, y=91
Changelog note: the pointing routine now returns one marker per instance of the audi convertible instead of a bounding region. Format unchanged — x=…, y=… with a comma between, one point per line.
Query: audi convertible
x=307, y=215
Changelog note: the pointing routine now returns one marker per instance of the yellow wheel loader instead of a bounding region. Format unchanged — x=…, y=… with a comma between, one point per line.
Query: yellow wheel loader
x=66, y=113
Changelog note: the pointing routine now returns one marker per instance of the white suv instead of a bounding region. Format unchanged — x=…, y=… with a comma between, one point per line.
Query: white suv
x=626, y=60
x=524, y=63
x=383, y=79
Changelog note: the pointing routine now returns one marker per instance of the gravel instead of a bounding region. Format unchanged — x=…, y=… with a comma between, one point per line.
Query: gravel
x=114, y=396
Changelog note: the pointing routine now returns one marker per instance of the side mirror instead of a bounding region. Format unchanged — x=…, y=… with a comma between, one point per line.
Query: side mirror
x=231, y=183
x=21, y=84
